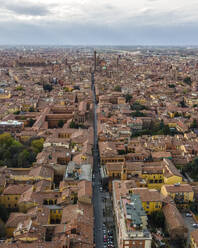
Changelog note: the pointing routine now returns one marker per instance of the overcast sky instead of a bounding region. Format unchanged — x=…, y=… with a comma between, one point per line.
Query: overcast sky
x=105, y=22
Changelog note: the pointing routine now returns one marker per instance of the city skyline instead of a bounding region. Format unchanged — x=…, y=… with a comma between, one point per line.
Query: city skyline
x=146, y=22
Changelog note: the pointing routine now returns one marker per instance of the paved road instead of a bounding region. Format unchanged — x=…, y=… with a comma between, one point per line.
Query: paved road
x=97, y=203
x=189, y=222
x=101, y=200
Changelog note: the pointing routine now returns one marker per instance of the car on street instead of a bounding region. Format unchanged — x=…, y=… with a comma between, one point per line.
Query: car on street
x=188, y=215
x=101, y=189
x=195, y=225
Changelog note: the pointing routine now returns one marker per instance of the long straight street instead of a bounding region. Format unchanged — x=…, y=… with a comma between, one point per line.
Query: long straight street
x=97, y=203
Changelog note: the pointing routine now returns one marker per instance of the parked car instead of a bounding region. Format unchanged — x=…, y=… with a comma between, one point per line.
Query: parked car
x=195, y=225
x=188, y=215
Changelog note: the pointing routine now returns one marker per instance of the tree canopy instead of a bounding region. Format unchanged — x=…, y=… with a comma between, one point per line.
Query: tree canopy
x=137, y=106
x=187, y=80
x=117, y=88
x=128, y=97
x=15, y=154
x=192, y=169
x=47, y=87
x=60, y=123
x=157, y=219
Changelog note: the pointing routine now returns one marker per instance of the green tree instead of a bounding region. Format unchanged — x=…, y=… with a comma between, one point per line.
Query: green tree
x=31, y=122
x=2, y=229
x=194, y=124
x=60, y=123
x=6, y=139
x=15, y=154
x=19, y=88
x=192, y=169
x=121, y=152
x=73, y=125
x=157, y=219
x=137, y=106
x=66, y=89
x=47, y=87
x=177, y=114
x=187, y=80
x=182, y=103
x=128, y=97
x=23, y=158
x=138, y=114
x=171, y=86
x=17, y=112
x=37, y=145
x=3, y=213
x=31, y=109
x=117, y=88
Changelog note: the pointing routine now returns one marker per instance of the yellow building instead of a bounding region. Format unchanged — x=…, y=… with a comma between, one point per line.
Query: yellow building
x=121, y=100
x=182, y=194
x=151, y=199
x=5, y=95
x=55, y=214
x=171, y=174
x=171, y=114
x=113, y=159
x=12, y=194
x=194, y=239
x=153, y=175
x=13, y=221
x=172, y=124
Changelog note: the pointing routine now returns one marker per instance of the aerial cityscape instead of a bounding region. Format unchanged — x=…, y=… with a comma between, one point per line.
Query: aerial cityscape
x=98, y=124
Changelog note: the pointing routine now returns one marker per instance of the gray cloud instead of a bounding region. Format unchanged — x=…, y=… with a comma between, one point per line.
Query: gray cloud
x=60, y=34
x=87, y=22
x=25, y=8
x=30, y=10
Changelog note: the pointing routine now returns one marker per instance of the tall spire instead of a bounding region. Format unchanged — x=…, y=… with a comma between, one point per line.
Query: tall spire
x=94, y=60
x=76, y=99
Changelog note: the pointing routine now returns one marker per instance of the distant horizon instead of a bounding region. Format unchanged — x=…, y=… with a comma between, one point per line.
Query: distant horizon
x=97, y=45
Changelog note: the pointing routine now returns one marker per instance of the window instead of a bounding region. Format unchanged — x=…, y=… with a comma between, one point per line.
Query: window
x=8, y=198
x=16, y=198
